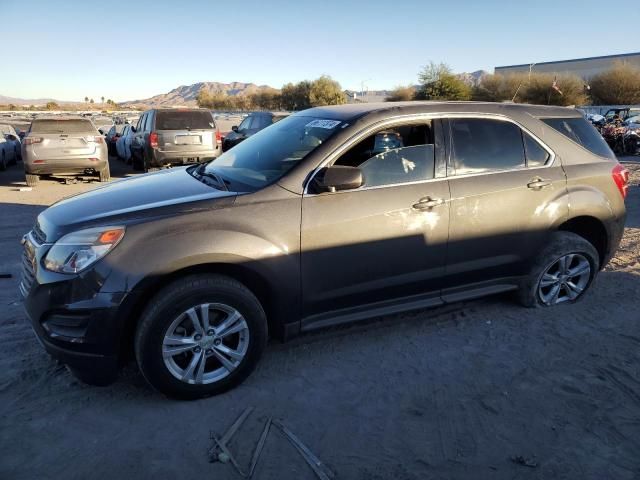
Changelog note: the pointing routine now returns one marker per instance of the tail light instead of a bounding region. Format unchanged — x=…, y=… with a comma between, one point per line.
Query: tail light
x=32, y=140
x=218, y=137
x=153, y=140
x=621, y=178
x=95, y=139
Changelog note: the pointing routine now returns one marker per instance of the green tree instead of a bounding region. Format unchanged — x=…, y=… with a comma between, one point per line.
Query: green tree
x=52, y=106
x=296, y=97
x=437, y=82
x=86, y=99
x=402, y=94
x=326, y=91
x=618, y=86
x=102, y=98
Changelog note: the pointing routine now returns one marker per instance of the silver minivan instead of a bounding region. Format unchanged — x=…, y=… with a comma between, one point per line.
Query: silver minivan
x=64, y=145
x=169, y=137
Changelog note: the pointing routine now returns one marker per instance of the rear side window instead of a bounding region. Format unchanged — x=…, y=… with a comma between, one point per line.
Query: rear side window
x=484, y=145
x=184, y=120
x=62, y=126
x=583, y=133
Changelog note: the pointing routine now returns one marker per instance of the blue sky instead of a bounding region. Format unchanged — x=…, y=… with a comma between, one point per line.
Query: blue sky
x=129, y=50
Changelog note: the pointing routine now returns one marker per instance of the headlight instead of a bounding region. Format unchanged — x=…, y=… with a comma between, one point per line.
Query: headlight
x=78, y=250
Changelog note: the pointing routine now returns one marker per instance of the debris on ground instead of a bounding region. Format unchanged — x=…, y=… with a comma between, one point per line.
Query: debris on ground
x=525, y=462
x=220, y=452
x=24, y=189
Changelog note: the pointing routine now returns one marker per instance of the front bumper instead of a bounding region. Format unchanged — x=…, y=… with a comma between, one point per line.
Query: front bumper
x=75, y=322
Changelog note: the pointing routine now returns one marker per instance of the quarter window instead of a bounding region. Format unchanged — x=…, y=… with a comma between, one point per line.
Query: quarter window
x=394, y=155
x=536, y=155
x=485, y=145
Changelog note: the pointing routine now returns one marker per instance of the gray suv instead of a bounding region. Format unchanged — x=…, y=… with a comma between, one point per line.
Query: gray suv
x=332, y=215
x=174, y=136
x=64, y=145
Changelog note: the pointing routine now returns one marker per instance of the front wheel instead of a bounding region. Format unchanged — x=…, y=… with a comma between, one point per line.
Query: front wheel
x=200, y=336
x=561, y=273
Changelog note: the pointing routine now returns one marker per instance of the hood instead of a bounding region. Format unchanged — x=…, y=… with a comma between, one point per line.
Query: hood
x=164, y=193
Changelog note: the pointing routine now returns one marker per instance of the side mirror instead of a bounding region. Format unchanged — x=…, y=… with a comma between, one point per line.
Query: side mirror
x=133, y=129
x=101, y=132
x=336, y=178
x=234, y=128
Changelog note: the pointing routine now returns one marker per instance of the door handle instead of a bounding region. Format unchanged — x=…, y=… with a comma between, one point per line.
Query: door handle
x=538, y=183
x=428, y=203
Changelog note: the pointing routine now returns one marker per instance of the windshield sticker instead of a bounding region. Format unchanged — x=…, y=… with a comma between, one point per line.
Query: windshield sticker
x=328, y=124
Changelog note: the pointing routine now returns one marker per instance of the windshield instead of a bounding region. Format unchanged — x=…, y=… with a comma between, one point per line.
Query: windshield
x=266, y=156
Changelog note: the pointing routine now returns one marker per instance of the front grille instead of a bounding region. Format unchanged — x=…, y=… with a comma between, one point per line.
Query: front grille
x=28, y=274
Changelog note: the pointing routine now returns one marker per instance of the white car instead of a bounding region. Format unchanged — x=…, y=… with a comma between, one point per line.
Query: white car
x=123, y=144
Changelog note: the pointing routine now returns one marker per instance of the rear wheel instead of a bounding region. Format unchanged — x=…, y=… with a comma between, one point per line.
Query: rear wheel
x=105, y=173
x=200, y=336
x=32, y=180
x=561, y=273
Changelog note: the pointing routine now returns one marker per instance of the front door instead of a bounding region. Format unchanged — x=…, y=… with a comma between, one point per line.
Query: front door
x=385, y=240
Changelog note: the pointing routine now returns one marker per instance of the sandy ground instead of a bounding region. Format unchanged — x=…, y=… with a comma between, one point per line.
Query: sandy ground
x=438, y=394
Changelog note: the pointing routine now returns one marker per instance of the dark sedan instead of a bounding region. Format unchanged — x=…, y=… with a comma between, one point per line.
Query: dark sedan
x=251, y=125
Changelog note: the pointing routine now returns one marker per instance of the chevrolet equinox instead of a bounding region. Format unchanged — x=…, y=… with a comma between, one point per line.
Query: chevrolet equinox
x=332, y=215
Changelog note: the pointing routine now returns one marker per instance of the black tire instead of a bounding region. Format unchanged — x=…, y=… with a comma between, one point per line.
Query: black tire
x=561, y=244
x=32, y=180
x=178, y=297
x=105, y=173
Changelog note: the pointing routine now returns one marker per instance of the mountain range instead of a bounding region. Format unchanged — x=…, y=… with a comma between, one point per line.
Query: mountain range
x=185, y=95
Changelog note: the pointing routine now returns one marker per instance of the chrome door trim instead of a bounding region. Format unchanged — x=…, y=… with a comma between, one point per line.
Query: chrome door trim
x=401, y=119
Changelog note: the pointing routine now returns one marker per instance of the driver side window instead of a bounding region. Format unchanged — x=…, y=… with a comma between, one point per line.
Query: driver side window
x=394, y=155
x=245, y=124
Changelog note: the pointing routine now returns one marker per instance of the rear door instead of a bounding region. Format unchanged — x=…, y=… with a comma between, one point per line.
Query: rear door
x=58, y=138
x=507, y=191
x=188, y=131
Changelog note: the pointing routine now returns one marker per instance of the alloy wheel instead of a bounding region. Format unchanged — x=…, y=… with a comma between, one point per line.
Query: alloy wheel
x=205, y=343
x=565, y=279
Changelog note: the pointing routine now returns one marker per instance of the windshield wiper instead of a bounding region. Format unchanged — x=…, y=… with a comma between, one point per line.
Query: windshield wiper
x=200, y=171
